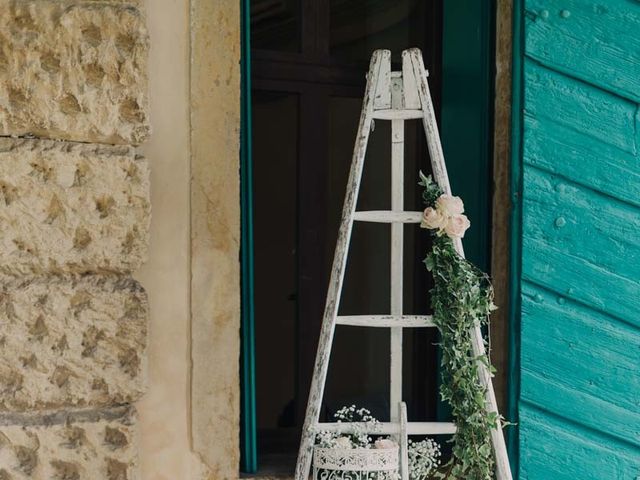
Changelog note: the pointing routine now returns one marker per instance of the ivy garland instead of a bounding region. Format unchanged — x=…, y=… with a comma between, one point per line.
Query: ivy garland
x=461, y=298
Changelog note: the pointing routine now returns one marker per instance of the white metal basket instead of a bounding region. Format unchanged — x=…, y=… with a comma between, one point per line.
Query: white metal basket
x=355, y=464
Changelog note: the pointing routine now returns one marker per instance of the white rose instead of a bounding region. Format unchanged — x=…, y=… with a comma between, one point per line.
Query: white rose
x=457, y=225
x=433, y=219
x=384, y=443
x=343, y=442
x=450, y=205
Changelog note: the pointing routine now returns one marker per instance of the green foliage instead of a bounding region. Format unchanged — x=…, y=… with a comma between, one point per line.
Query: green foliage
x=461, y=299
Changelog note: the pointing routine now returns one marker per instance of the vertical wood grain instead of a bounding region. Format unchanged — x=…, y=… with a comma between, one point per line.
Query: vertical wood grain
x=397, y=254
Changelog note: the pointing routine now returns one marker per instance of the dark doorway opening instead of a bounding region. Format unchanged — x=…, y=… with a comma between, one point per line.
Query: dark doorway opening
x=308, y=64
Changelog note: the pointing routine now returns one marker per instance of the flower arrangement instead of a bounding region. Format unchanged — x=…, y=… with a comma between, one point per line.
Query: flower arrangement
x=424, y=459
x=461, y=299
x=356, y=440
x=424, y=456
x=446, y=216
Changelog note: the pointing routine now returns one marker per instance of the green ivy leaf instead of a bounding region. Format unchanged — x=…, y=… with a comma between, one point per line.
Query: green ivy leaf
x=461, y=299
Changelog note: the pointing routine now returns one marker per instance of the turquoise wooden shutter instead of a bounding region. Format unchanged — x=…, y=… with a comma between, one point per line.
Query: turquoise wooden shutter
x=576, y=262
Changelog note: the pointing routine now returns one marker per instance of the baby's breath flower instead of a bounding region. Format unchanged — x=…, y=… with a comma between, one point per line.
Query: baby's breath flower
x=424, y=458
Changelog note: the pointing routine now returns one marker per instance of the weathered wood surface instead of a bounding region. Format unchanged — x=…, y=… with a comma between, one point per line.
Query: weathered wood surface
x=575, y=452
x=382, y=216
x=579, y=415
x=573, y=155
x=391, y=428
x=589, y=364
x=404, y=443
x=565, y=101
x=562, y=215
x=397, y=249
x=597, y=42
x=405, y=321
x=585, y=282
x=397, y=114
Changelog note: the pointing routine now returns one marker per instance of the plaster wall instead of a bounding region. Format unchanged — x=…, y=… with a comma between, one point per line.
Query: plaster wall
x=164, y=430
x=189, y=418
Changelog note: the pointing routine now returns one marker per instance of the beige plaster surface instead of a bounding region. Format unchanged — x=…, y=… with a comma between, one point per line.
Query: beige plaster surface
x=165, y=452
x=215, y=235
x=189, y=418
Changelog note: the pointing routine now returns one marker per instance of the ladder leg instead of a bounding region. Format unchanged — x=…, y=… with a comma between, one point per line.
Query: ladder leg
x=404, y=442
x=396, y=281
x=303, y=465
x=503, y=470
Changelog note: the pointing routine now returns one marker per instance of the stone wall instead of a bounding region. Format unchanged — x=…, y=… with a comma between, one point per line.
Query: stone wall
x=74, y=223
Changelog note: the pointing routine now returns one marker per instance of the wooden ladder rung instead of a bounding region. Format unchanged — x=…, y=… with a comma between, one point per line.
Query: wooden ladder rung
x=406, y=321
x=388, y=216
x=393, y=114
x=389, y=428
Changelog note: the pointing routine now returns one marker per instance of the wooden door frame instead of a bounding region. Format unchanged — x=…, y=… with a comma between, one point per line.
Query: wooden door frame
x=465, y=70
x=248, y=422
x=515, y=231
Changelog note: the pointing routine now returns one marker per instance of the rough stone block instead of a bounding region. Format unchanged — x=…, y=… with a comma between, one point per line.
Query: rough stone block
x=71, y=342
x=73, y=70
x=91, y=445
x=72, y=208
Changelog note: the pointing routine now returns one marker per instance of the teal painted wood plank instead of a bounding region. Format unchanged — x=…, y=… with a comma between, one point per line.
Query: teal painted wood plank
x=576, y=278
x=577, y=157
x=594, y=41
x=595, y=353
x=579, y=398
x=580, y=222
x=552, y=449
x=603, y=116
x=587, y=410
x=580, y=364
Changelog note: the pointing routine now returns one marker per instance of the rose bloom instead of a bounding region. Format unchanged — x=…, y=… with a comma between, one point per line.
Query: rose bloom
x=457, y=225
x=433, y=219
x=384, y=443
x=450, y=205
x=343, y=442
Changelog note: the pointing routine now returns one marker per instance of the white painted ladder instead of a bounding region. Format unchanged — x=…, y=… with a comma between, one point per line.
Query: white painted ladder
x=394, y=96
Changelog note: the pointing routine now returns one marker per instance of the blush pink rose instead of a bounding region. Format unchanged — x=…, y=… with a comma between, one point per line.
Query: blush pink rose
x=450, y=205
x=433, y=219
x=457, y=225
x=384, y=443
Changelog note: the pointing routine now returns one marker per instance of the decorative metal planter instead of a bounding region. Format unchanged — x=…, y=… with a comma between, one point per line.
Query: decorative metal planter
x=355, y=464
